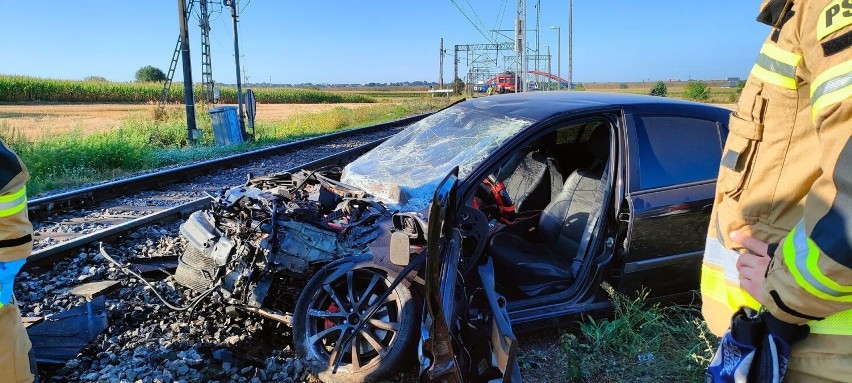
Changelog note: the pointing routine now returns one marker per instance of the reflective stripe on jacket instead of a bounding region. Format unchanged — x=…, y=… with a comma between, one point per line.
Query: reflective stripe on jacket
x=786, y=175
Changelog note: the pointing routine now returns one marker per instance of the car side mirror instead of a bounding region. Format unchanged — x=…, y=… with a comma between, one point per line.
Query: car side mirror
x=409, y=236
x=400, y=249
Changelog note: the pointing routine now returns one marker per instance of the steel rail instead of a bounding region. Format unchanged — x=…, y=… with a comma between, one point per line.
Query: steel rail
x=42, y=207
x=46, y=255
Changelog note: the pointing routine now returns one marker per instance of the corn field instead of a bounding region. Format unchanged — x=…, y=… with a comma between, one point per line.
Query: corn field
x=30, y=89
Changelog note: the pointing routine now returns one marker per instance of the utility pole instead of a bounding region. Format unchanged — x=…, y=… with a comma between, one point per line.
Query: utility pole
x=189, y=99
x=537, y=40
x=520, y=46
x=455, y=66
x=549, y=71
x=570, y=43
x=235, y=15
x=558, y=51
x=441, y=54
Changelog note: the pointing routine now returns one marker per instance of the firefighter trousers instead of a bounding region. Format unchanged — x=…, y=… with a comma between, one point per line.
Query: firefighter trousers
x=15, y=346
x=820, y=358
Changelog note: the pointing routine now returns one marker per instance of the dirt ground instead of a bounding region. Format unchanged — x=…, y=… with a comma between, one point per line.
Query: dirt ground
x=44, y=120
x=541, y=357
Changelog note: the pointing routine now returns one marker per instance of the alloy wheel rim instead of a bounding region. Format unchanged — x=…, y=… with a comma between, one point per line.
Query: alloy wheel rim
x=340, y=306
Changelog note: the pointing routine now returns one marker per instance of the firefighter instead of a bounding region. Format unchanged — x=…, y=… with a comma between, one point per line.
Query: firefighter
x=15, y=246
x=780, y=234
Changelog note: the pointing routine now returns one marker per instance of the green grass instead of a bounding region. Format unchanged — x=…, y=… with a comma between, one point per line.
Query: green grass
x=32, y=89
x=142, y=144
x=641, y=343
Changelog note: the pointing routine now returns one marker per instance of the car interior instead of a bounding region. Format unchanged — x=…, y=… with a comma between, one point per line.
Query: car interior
x=557, y=187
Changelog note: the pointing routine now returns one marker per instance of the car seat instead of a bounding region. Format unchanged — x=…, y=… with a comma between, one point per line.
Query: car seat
x=549, y=265
x=531, y=178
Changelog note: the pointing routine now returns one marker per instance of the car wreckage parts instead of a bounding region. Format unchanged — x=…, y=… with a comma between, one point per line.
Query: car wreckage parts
x=254, y=240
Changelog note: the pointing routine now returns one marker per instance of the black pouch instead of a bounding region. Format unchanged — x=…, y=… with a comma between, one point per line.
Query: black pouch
x=774, y=349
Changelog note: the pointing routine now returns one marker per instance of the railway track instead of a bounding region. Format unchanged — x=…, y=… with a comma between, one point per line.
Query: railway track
x=57, y=202
x=65, y=222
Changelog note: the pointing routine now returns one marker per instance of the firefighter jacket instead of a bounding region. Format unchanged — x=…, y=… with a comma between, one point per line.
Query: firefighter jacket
x=786, y=173
x=15, y=244
x=16, y=241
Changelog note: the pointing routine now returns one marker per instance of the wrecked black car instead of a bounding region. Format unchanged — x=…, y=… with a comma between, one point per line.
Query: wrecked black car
x=495, y=215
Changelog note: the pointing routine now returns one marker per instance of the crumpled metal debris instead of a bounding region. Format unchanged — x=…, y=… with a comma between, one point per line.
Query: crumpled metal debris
x=264, y=239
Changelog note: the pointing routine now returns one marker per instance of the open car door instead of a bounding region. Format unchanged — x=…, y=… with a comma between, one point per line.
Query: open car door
x=466, y=334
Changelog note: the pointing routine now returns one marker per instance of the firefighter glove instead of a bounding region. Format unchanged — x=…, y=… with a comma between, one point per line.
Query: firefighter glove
x=8, y=271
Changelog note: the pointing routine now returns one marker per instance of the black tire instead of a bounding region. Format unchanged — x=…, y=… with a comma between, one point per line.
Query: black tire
x=383, y=347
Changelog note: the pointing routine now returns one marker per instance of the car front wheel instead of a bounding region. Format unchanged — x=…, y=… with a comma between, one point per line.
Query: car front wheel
x=334, y=303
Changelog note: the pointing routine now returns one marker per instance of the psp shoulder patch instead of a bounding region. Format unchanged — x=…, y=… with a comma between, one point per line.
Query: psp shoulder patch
x=835, y=16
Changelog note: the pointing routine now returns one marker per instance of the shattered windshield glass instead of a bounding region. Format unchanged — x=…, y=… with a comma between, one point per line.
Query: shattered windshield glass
x=405, y=170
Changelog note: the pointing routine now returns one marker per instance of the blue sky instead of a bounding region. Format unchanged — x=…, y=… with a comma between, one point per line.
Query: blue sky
x=358, y=41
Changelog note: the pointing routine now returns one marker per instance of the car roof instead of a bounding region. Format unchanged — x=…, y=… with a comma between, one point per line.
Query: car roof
x=540, y=106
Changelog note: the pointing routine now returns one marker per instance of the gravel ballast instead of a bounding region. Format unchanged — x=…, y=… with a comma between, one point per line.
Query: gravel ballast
x=148, y=342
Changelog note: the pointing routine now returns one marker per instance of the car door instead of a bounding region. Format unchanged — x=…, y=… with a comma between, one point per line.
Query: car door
x=674, y=160
x=454, y=323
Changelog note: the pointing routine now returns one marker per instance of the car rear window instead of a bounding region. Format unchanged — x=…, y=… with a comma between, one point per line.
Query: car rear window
x=676, y=150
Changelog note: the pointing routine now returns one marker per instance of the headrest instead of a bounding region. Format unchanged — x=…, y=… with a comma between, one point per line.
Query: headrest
x=598, y=144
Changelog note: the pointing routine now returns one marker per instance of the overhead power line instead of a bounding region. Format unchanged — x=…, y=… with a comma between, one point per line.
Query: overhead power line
x=481, y=32
x=481, y=24
x=501, y=13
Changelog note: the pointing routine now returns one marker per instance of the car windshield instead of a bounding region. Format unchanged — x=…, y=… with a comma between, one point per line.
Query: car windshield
x=404, y=171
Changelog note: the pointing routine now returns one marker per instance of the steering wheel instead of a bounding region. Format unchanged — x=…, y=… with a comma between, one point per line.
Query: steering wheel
x=492, y=199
